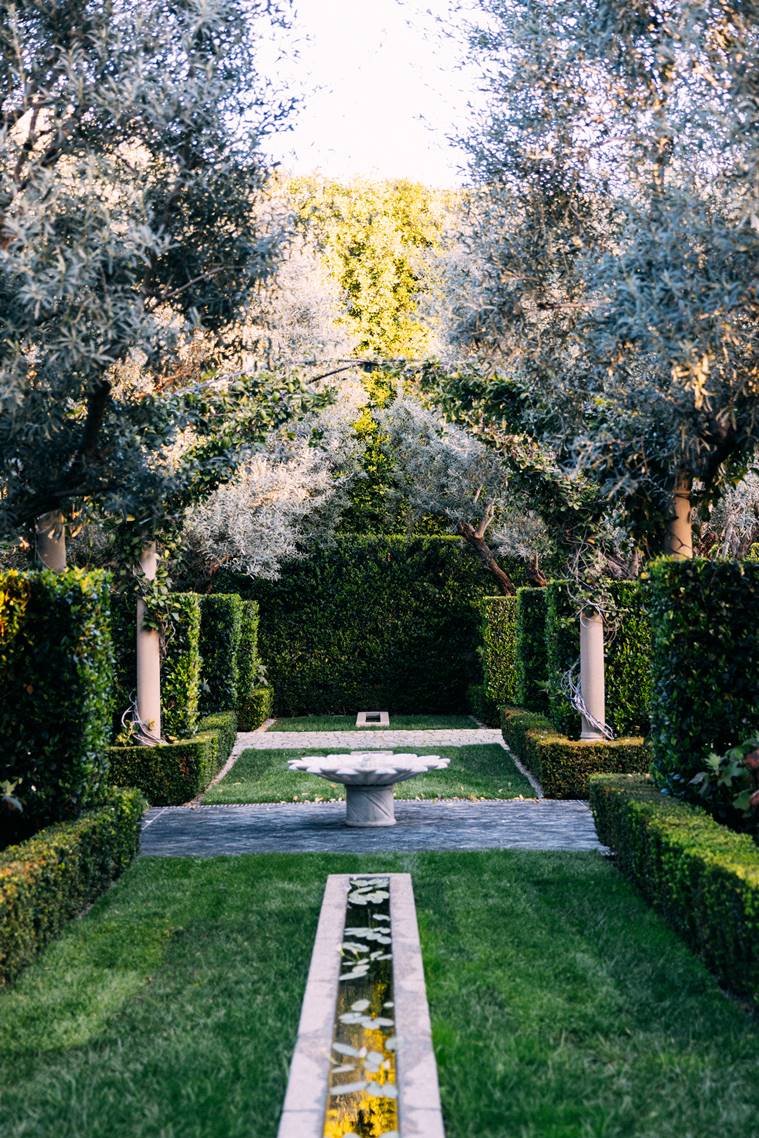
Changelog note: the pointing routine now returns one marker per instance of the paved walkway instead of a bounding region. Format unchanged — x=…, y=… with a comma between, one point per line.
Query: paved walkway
x=524, y=824
x=369, y=740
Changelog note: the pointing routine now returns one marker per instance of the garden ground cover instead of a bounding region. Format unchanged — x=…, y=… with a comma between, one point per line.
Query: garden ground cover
x=397, y=723
x=477, y=771
x=562, y=1006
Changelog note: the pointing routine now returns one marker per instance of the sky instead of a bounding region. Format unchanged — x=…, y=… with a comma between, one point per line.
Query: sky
x=385, y=90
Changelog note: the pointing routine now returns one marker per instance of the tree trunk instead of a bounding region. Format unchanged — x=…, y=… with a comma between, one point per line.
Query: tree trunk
x=148, y=660
x=50, y=540
x=485, y=553
x=592, y=678
x=680, y=533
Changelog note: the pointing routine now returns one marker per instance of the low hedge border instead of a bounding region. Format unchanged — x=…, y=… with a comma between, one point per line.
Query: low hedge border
x=55, y=875
x=255, y=708
x=173, y=773
x=702, y=877
x=563, y=766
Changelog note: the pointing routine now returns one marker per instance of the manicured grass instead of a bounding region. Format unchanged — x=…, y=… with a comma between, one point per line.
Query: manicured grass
x=397, y=723
x=479, y=771
x=562, y=1006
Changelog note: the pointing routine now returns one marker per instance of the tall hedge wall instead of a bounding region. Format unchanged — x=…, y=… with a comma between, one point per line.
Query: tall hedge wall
x=531, y=667
x=384, y=622
x=247, y=655
x=628, y=657
x=220, y=634
x=498, y=649
x=705, y=661
x=56, y=665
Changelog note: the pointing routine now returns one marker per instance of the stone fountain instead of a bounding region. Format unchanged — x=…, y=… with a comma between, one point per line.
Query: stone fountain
x=369, y=778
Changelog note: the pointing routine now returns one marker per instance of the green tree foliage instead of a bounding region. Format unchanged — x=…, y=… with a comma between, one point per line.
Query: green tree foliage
x=130, y=165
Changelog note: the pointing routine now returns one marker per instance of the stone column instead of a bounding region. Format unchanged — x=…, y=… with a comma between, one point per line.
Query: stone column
x=680, y=533
x=592, y=682
x=50, y=540
x=148, y=657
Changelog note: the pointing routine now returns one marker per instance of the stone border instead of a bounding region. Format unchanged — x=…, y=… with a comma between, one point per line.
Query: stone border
x=419, y=1097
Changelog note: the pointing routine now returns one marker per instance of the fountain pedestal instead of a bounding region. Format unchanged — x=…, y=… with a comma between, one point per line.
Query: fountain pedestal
x=369, y=778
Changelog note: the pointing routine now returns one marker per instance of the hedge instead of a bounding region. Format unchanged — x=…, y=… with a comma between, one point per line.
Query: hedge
x=498, y=648
x=55, y=875
x=255, y=708
x=180, y=662
x=481, y=707
x=531, y=665
x=701, y=876
x=247, y=654
x=220, y=636
x=563, y=766
x=173, y=773
x=627, y=651
x=56, y=665
x=705, y=662
x=383, y=622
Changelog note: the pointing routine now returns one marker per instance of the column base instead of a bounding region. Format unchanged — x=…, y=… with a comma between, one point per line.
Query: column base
x=369, y=806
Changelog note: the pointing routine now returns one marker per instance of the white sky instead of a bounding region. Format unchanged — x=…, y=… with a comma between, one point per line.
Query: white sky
x=382, y=90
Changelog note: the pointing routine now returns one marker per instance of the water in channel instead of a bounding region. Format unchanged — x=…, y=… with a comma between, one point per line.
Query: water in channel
x=362, y=1096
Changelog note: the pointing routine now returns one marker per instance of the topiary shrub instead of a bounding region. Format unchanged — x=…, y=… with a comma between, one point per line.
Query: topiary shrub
x=255, y=708
x=248, y=663
x=180, y=668
x=705, y=662
x=531, y=666
x=55, y=875
x=171, y=774
x=56, y=665
x=220, y=633
x=702, y=877
x=383, y=622
x=563, y=766
x=498, y=649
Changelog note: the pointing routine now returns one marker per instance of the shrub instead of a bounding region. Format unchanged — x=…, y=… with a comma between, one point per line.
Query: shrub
x=180, y=662
x=383, y=622
x=531, y=665
x=498, y=648
x=563, y=766
x=481, y=707
x=53, y=876
x=627, y=651
x=255, y=708
x=705, y=662
x=247, y=657
x=220, y=633
x=173, y=773
x=56, y=664
x=180, y=670
x=728, y=786
x=702, y=877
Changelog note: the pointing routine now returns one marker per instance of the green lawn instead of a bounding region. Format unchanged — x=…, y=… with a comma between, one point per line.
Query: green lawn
x=478, y=771
x=562, y=1007
x=397, y=723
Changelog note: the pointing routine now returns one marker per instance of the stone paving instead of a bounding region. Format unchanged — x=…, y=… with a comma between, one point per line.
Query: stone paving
x=370, y=739
x=523, y=824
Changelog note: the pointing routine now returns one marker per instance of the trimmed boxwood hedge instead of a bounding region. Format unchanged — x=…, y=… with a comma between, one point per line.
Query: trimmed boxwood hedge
x=173, y=773
x=705, y=662
x=701, y=876
x=498, y=649
x=56, y=667
x=255, y=708
x=220, y=636
x=384, y=622
x=531, y=663
x=53, y=876
x=628, y=657
x=563, y=766
x=247, y=654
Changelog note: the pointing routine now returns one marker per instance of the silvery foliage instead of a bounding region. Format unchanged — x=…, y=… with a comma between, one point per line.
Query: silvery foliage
x=613, y=235
x=286, y=497
x=442, y=469
x=732, y=527
x=129, y=165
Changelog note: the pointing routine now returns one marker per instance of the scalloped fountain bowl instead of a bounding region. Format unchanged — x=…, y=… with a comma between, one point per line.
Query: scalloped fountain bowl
x=369, y=778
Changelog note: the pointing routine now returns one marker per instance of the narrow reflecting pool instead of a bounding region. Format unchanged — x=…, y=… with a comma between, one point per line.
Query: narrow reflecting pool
x=362, y=1096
